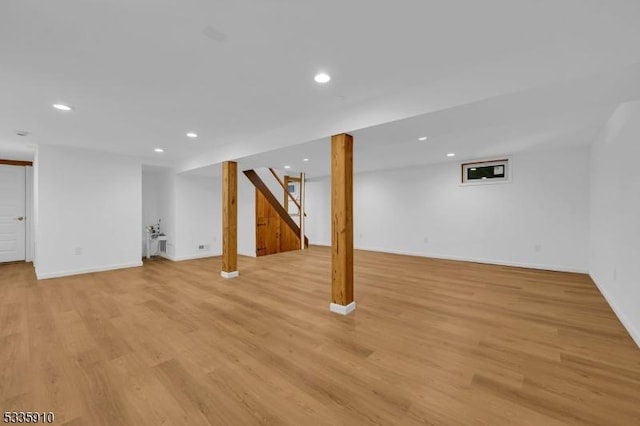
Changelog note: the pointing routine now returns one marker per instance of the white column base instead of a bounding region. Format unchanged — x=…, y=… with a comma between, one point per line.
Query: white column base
x=233, y=274
x=342, y=309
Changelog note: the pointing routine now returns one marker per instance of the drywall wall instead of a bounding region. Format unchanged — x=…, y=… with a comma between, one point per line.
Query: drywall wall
x=152, y=193
x=538, y=220
x=190, y=207
x=36, y=203
x=198, y=220
x=88, y=211
x=246, y=216
x=167, y=210
x=30, y=236
x=615, y=215
x=318, y=209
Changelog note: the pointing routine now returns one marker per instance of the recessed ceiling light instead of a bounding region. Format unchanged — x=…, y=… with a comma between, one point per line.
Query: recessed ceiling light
x=192, y=135
x=305, y=160
x=62, y=107
x=322, y=78
x=287, y=167
x=424, y=138
x=159, y=150
x=451, y=154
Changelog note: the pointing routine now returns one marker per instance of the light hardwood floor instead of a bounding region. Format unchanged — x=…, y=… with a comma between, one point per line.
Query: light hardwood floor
x=431, y=342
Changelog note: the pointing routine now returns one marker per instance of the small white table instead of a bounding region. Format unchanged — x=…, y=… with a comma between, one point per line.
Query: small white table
x=155, y=237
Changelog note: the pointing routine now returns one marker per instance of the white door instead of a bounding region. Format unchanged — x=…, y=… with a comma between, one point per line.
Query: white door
x=12, y=213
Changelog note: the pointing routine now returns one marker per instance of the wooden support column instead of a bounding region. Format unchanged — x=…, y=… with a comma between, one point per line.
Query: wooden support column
x=229, y=219
x=342, y=224
x=302, y=213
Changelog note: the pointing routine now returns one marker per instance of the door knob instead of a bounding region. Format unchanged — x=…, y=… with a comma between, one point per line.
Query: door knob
x=21, y=218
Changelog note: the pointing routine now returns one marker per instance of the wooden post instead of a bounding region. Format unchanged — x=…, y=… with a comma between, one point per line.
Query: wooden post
x=342, y=224
x=302, y=195
x=229, y=219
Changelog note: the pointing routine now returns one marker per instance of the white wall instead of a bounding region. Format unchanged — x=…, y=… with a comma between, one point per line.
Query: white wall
x=198, y=208
x=615, y=215
x=318, y=209
x=167, y=209
x=30, y=236
x=539, y=220
x=88, y=211
x=152, y=193
x=246, y=216
x=36, y=204
x=191, y=211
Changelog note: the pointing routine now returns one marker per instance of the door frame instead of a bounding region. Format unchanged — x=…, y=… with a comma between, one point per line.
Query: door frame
x=29, y=230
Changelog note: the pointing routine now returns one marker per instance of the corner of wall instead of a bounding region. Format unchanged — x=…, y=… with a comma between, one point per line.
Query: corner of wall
x=613, y=212
x=631, y=328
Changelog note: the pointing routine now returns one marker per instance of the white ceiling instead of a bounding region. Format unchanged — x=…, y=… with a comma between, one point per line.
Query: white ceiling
x=562, y=115
x=240, y=73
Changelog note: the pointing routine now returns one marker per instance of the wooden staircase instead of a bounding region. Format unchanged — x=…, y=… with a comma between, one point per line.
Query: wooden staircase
x=276, y=231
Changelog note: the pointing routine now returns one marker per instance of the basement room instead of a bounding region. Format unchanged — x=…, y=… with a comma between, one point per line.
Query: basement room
x=341, y=213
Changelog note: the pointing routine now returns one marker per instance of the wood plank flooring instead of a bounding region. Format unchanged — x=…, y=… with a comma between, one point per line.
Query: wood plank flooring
x=432, y=342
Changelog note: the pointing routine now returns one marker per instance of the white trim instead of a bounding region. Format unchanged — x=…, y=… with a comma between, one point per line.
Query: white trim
x=485, y=182
x=45, y=276
x=471, y=259
x=628, y=325
x=228, y=275
x=29, y=234
x=342, y=309
x=247, y=254
x=323, y=244
x=480, y=260
x=191, y=256
x=198, y=256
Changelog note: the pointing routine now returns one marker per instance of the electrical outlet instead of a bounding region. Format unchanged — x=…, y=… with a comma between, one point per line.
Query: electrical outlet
x=77, y=251
x=537, y=248
x=426, y=240
x=201, y=247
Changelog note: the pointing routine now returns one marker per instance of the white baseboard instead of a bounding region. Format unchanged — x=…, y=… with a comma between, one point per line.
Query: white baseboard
x=342, y=309
x=191, y=256
x=628, y=325
x=322, y=244
x=471, y=259
x=47, y=275
x=480, y=260
x=247, y=254
x=227, y=275
x=199, y=256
